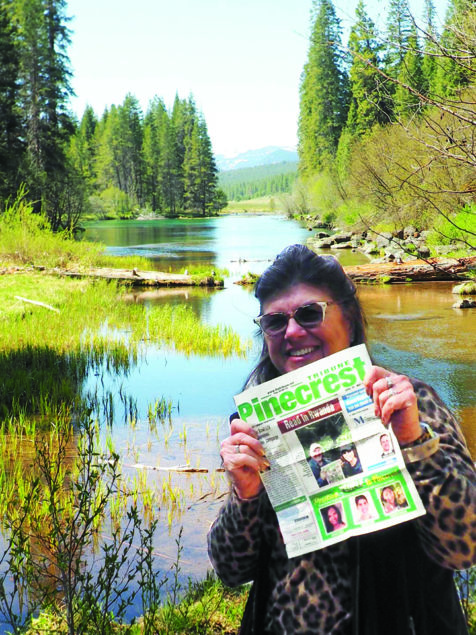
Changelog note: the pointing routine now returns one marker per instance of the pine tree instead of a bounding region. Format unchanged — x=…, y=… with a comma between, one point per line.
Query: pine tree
x=103, y=165
x=11, y=147
x=171, y=171
x=455, y=66
x=430, y=47
x=130, y=148
x=399, y=30
x=199, y=169
x=83, y=147
x=151, y=158
x=208, y=178
x=323, y=92
x=41, y=43
x=368, y=104
x=119, y=158
x=407, y=103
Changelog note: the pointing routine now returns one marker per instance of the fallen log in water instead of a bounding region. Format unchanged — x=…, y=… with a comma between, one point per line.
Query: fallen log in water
x=431, y=269
x=137, y=278
x=171, y=468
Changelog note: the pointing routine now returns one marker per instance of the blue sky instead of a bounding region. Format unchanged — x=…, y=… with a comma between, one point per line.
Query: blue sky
x=241, y=59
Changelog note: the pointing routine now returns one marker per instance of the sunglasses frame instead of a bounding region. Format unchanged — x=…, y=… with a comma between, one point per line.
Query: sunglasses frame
x=322, y=303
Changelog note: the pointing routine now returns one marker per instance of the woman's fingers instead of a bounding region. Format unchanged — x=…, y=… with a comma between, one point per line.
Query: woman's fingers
x=243, y=458
x=398, y=397
x=241, y=449
x=395, y=402
x=245, y=438
x=390, y=393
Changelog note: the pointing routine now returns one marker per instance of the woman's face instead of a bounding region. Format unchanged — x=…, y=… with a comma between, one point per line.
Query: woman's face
x=333, y=516
x=348, y=456
x=298, y=346
x=389, y=496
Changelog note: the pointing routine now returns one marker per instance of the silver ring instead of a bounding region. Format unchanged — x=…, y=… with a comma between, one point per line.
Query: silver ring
x=389, y=381
x=237, y=449
x=392, y=392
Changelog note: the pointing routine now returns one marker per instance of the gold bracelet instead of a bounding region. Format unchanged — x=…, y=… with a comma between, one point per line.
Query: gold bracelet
x=423, y=447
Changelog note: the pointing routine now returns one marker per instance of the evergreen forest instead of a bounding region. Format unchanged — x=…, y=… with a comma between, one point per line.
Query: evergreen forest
x=264, y=180
x=387, y=121
x=117, y=164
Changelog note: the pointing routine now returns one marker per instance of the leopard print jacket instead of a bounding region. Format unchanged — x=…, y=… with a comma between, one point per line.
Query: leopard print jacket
x=312, y=593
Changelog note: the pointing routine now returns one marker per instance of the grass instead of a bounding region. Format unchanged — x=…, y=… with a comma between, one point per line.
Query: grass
x=87, y=308
x=261, y=204
x=47, y=349
x=206, y=608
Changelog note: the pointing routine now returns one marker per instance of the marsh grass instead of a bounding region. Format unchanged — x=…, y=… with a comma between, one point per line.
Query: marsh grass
x=52, y=519
x=56, y=514
x=48, y=353
x=90, y=312
x=179, y=327
x=253, y=205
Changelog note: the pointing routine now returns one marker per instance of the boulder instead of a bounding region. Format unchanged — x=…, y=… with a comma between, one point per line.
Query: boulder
x=370, y=248
x=465, y=304
x=423, y=251
x=465, y=288
x=409, y=231
x=383, y=240
x=347, y=245
x=442, y=250
x=342, y=237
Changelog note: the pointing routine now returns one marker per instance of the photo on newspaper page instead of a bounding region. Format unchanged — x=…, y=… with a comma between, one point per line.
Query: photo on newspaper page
x=335, y=470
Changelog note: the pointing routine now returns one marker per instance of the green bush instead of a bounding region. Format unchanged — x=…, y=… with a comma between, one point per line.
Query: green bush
x=26, y=238
x=458, y=228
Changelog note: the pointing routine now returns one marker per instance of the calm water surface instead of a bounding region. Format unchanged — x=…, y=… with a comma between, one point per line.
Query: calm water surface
x=223, y=241
x=412, y=328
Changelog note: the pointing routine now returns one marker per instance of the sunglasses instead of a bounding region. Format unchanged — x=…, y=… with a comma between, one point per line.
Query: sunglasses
x=308, y=316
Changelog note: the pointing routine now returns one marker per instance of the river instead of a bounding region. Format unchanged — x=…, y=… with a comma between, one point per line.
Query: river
x=412, y=328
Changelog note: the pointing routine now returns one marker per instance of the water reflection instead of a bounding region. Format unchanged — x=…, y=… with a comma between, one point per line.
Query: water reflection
x=238, y=242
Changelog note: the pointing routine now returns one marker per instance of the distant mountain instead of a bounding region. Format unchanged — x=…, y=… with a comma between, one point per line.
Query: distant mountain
x=261, y=180
x=252, y=158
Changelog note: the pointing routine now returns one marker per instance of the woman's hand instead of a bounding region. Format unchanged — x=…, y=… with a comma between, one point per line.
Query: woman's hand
x=395, y=402
x=243, y=459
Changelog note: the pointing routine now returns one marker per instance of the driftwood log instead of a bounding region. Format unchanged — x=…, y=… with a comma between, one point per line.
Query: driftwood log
x=137, y=278
x=431, y=269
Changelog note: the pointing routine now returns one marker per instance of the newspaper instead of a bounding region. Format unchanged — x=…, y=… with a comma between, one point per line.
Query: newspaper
x=335, y=470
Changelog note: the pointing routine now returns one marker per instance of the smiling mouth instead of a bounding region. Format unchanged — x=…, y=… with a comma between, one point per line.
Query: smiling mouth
x=300, y=352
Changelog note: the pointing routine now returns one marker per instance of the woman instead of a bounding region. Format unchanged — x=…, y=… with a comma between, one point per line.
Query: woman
x=333, y=519
x=363, y=507
x=350, y=462
x=389, y=500
x=309, y=310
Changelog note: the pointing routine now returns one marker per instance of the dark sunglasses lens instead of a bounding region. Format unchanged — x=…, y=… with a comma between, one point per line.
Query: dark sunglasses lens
x=272, y=324
x=309, y=315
